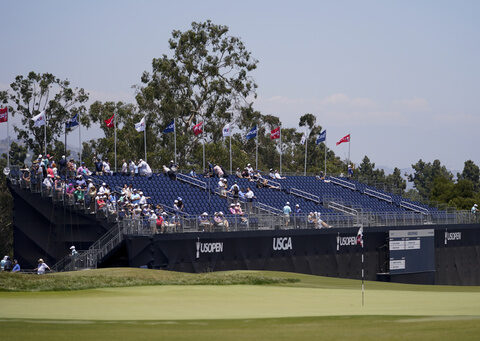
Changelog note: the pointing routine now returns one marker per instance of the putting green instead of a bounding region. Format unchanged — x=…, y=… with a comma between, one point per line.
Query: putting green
x=183, y=302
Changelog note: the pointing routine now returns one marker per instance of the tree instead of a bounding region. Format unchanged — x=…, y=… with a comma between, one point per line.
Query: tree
x=18, y=154
x=395, y=180
x=470, y=172
x=425, y=174
x=206, y=79
x=29, y=95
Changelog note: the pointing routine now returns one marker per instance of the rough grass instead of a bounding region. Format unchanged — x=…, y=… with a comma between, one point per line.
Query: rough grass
x=125, y=277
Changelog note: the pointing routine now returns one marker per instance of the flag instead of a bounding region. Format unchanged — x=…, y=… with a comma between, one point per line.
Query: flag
x=360, y=236
x=110, y=122
x=275, y=134
x=73, y=122
x=226, y=130
x=140, y=126
x=346, y=138
x=321, y=137
x=304, y=138
x=3, y=114
x=252, y=133
x=39, y=120
x=198, y=128
x=170, y=128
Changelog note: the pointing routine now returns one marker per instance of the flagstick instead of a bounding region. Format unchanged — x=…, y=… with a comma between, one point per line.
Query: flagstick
x=306, y=148
x=175, y=140
x=363, y=279
x=115, y=132
x=281, y=147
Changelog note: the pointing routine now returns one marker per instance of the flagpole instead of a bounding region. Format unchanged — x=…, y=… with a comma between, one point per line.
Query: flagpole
x=115, y=132
x=306, y=148
x=8, y=139
x=349, y=147
x=325, y=162
x=80, y=138
x=281, y=149
x=45, y=133
x=65, y=152
x=145, y=140
x=175, y=139
x=203, y=147
x=230, y=150
x=256, y=150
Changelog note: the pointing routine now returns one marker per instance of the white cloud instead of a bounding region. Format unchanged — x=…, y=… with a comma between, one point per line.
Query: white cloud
x=414, y=104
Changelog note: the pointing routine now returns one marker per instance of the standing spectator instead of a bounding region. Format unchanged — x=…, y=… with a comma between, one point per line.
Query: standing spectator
x=474, y=209
x=124, y=167
x=2, y=263
x=350, y=171
x=131, y=168
x=249, y=195
x=144, y=169
x=286, y=212
x=98, y=166
x=16, y=266
x=217, y=170
x=8, y=265
x=106, y=168
x=41, y=267
x=62, y=165
x=234, y=190
x=73, y=251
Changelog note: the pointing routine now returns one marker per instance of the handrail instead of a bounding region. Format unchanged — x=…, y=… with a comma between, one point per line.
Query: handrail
x=379, y=195
x=342, y=208
x=411, y=206
x=192, y=181
x=269, y=209
x=305, y=195
x=343, y=183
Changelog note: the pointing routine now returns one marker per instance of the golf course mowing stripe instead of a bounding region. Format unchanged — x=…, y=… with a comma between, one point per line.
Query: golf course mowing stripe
x=230, y=302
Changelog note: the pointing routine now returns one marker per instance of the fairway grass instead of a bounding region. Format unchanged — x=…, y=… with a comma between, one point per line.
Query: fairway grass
x=299, y=307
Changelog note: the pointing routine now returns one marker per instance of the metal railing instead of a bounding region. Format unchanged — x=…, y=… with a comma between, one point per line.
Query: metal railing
x=305, y=195
x=379, y=195
x=343, y=183
x=192, y=181
x=413, y=207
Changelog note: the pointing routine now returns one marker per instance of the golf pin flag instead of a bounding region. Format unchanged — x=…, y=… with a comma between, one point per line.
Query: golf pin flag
x=360, y=236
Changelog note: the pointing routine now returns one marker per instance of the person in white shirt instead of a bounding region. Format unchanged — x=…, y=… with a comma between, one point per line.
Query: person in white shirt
x=250, y=170
x=278, y=176
x=124, y=167
x=106, y=168
x=102, y=189
x=131, y=168
x=41, y=267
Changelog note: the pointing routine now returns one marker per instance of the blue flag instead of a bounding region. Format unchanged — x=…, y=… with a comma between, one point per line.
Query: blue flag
x=170, y=128
x=73, y=122
x=321, y=137
x=252, y=133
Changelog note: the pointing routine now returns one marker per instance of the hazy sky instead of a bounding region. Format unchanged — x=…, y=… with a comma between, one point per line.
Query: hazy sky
x=401, y=76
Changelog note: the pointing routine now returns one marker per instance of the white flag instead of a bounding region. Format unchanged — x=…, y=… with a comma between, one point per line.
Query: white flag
x=39, y=120
x=304, y=138
x=140, y=126
x=226, y=130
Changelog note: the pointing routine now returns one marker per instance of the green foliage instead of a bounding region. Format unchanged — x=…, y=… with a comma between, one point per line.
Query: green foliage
x=471, y=172
x=35, y=92
x=425, y=174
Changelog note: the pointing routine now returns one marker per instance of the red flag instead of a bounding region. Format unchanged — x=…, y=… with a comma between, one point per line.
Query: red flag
x=3, y=114
x=275, y=134
x=344, y=139
x=110, y=122
x=197, y=128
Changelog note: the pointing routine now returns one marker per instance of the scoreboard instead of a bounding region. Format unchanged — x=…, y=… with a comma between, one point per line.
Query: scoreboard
x=412, y=251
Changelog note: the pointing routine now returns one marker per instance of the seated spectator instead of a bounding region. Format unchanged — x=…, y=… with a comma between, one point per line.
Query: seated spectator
x=474, y=209
x=249, y=170
x=320, y=176
x=245, y=174
x=169, y=172
x=319, y=223
x=158, y=210
x=192, y=173
x=232, y=209
x=16, y=266
x=144, y=169
x=238, y=173
x=80, y=181
x=179, y=206
x=222, y=186
x=220, y=221
x=271, y=174
x=8, y=265
x=204, y=223
x=311, y=219
x=238, y=209
x=98, y=166
x=101, y=204
x=278, y=176
x=79, y=195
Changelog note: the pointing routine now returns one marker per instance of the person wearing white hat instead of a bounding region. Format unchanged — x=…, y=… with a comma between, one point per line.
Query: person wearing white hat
x=41, y=267
x=474, y=209
x=286, y=212
x=204, y=223
x=73, y=251
x=319, y=223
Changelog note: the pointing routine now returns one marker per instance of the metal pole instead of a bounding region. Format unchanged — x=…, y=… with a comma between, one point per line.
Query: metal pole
x=256, y=150
x=115, y=132
x=349, y=147
x=8, y=137
x=325, y=162
x=145, y=140
x=45, y=133
x=306, y=148
x=204, y=136
x=175, y=140
x=65, y=152
x=80, y=138
x=363, y=278
x=230, y=152
x=281, y=148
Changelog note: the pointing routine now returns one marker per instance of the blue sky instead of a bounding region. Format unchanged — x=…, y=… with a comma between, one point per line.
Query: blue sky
x=400, y=76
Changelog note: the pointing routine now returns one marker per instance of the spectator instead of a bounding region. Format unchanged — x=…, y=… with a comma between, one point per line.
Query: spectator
x=271, y=175
x=2, y=262
x=131, y=168
x=192, y=173
x=144, y=169
x=153, y=221
x=106, y=168
x=16, y=266
x=124, y=167
x=319, y=223
x=298, y=210
x=8, y=266
x=235, y=192
x=26, y=177
x=238, y=173
x=180, y=206
x=98, y=167
x=220, y=220
x=73, y=251
x=62, y=165
x=204, y=223
x=320, y=176
x=278, y=176
x=350, y=171
x=286, y=212
x=222, y=186
x=41, y=267
x=217, y=170
x=250, y=169
x=79, y=195
x=232, y=209
x=474, y=209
